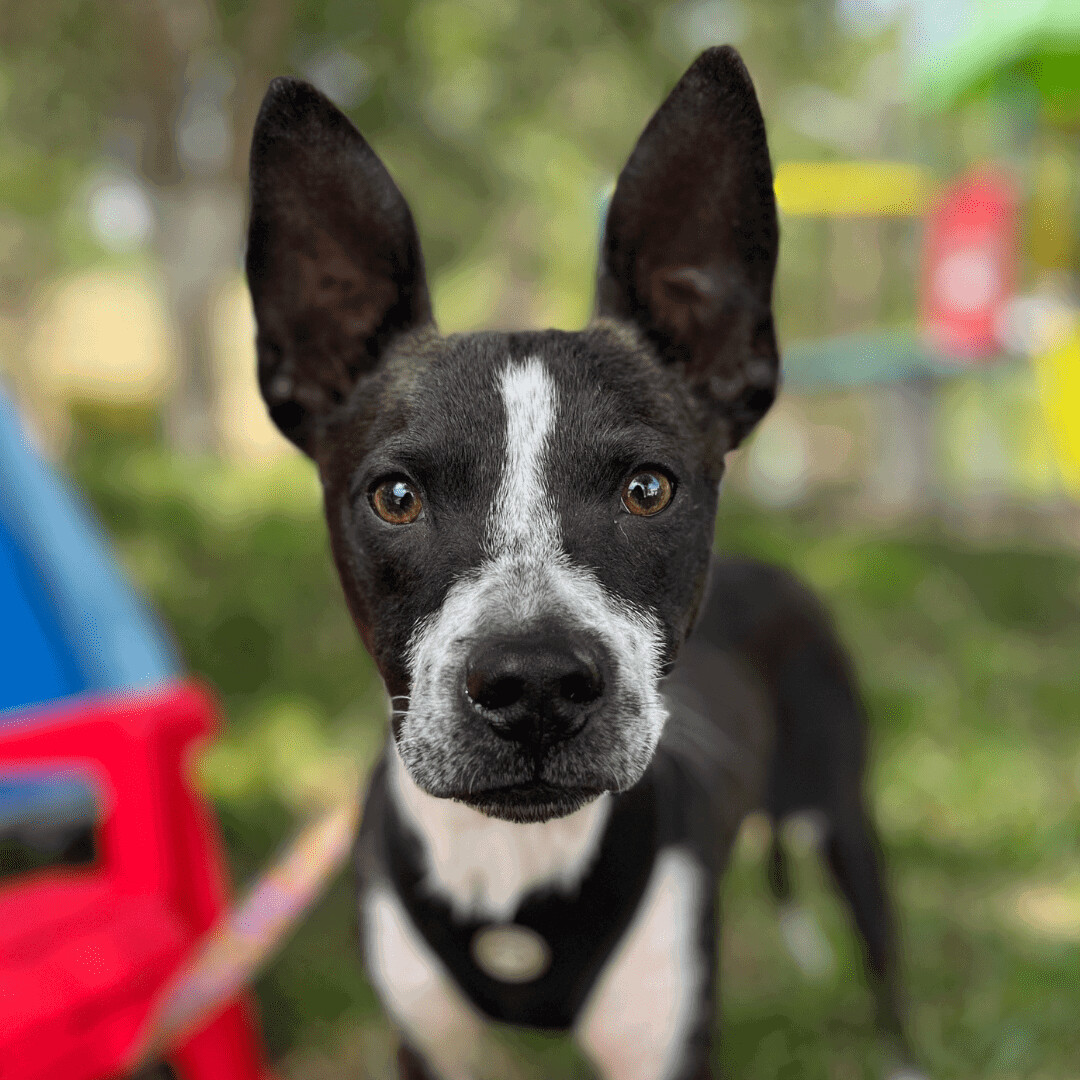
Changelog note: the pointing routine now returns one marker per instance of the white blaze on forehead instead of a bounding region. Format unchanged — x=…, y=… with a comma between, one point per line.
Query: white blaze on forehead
x=521, y=513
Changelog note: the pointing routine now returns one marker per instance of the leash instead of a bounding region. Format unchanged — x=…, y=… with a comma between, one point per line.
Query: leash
x=248, y=935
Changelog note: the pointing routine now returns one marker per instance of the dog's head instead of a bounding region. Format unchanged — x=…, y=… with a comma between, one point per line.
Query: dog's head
x=521, y=521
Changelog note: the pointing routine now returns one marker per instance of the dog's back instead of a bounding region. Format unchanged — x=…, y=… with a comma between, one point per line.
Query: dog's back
x=762, y=632
x=775, y=626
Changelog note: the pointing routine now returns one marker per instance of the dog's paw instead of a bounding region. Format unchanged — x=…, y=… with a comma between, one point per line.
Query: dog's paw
x=806, y=942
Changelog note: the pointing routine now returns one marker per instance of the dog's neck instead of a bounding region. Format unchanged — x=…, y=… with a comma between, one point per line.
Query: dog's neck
x=482, y=866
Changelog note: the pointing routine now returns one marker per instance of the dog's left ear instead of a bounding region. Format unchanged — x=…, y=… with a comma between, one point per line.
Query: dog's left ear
x=689, y=248
x=333, y=259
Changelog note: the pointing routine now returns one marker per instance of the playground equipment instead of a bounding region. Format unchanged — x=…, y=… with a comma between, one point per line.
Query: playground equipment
x=970, y=313
x=95, y=735
x=84, y=952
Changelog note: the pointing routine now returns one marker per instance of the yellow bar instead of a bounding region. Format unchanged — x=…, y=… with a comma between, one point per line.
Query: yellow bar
x=852, y=188
x=1058, y=375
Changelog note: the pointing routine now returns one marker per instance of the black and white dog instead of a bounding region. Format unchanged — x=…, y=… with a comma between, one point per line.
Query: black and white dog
x=585, y=706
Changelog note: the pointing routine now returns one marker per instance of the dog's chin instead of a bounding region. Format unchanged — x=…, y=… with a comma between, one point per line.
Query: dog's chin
x=529, y=803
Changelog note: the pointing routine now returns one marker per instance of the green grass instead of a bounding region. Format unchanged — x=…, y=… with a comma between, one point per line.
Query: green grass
x=969, y=659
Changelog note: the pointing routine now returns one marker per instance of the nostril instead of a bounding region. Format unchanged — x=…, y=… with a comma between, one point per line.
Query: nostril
x=494, y=693
x=581, y=687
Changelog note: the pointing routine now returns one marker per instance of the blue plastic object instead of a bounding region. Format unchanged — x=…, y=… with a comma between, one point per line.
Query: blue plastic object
x=69, y=622
x=36, y=662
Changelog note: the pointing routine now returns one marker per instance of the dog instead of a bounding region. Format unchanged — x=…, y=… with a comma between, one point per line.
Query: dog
x=585, y=704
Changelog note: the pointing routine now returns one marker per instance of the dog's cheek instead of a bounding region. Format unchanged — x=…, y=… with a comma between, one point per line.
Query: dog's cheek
x=687, y=548
x=366, y=572
x=353, y=591
x=663, y=588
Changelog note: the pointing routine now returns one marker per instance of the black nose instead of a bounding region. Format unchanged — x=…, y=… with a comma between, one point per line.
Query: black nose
x=535, y=691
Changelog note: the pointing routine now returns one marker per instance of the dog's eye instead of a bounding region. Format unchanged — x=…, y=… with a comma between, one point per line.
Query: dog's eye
x=396, y=500
x=647, y=493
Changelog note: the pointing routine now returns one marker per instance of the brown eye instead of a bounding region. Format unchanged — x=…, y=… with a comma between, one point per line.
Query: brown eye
x=396, y=500
x=647, y=493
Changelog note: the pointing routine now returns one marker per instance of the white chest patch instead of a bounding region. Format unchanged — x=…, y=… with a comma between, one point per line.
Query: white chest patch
x=644, y=1007
x=482, y=866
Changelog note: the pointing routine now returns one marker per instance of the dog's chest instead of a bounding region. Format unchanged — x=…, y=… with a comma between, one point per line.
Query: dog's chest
x=635, y=1023
x=593, y=941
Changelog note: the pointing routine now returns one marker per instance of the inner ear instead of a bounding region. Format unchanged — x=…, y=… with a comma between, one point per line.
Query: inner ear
x=333, y=260
x=690, y=244
x=683, y=300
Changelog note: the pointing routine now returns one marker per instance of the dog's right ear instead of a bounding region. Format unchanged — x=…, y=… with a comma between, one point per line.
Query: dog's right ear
x=333, y=259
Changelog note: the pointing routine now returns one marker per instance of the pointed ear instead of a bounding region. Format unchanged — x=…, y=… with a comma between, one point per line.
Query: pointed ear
x=333, y=259
x=690, y=244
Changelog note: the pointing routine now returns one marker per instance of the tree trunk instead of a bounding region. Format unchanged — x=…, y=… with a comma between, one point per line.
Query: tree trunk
x=199, y=248
x=200, y=206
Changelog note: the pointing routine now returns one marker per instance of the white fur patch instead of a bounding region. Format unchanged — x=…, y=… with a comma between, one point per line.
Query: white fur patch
x=526, y=579
x=643, y=1009
x=417, y=991
x=521, y=516
x=483, y=866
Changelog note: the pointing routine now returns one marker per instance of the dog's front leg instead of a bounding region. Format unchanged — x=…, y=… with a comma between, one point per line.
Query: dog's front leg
x=650, y=1015
x=443, y=1033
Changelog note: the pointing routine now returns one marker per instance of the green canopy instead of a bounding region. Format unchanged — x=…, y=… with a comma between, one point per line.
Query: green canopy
x=1010, y=43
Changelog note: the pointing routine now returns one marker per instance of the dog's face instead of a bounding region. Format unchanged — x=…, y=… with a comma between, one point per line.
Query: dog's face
x=521, y=522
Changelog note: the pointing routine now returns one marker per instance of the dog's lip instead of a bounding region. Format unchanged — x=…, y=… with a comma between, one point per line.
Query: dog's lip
x=527, y=788
x=530, y=801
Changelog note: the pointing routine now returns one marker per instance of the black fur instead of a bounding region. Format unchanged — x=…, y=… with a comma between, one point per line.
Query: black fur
x=431, y=413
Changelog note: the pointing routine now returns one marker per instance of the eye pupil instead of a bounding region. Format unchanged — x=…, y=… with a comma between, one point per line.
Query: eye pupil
x=647, y=493
x=646, y=488
x=396, y=501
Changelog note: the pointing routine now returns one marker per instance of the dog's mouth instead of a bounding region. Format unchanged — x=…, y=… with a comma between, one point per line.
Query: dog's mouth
x=529, y=801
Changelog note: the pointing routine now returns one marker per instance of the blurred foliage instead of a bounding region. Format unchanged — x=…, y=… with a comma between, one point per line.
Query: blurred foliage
x=968, y=657
x=504, y=122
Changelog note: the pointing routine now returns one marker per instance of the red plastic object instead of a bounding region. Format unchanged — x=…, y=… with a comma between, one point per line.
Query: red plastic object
x=970, y=260
x=83, y=951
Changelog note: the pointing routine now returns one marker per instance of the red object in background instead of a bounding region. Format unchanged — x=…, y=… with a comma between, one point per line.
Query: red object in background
x=83, y=951
x=970, y=257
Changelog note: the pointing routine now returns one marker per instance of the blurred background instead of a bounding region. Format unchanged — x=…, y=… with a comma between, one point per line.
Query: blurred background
x=921, y=467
